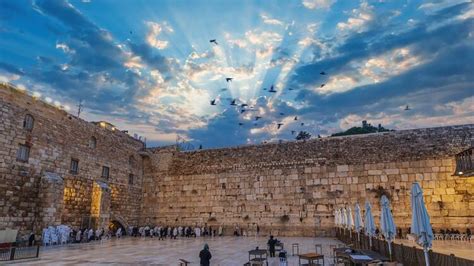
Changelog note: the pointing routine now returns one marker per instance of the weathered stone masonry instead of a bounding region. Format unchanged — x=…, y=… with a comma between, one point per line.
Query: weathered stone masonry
x=248, y=185
x=43, y=191
x=306, y=181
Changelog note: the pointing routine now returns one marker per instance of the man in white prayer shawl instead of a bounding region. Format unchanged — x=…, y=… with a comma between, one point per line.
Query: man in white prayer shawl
x=197, y=231
x=90, y=234
x=119, y=232
x=78, y=236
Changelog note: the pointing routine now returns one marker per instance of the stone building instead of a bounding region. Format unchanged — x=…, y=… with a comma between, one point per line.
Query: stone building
x=81, y=173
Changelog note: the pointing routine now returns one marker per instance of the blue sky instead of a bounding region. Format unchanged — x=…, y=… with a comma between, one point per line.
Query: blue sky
x=149, y=66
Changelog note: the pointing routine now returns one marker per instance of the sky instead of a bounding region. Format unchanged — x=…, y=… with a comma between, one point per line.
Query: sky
x=150, y=66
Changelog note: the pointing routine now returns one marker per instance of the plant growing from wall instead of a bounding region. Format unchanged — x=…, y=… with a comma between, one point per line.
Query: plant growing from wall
x=194, y=191
x=284, y=218
x=246, y=218
x=212, y=219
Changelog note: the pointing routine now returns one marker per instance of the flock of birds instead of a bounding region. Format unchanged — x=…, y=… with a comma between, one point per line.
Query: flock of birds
x=244, y=107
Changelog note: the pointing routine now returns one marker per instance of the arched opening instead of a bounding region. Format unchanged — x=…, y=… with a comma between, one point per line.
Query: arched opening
x=28, y=122
x=92, y=142
x=114, y=225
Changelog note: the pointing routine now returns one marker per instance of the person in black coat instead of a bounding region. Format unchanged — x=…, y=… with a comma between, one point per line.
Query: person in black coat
x=271, y=245
x=205, y=256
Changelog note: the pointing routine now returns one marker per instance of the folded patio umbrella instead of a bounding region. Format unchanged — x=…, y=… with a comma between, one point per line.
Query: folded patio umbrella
x=369, y=224
x=358, y=225
x=420, y=220
x=386, y=223
x=350, y=220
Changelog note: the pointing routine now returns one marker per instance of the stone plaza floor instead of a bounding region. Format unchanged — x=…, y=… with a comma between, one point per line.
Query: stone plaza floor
x=226, y=251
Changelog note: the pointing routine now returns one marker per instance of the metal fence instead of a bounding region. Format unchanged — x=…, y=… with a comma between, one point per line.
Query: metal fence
x=408, y=256
x=18, y=253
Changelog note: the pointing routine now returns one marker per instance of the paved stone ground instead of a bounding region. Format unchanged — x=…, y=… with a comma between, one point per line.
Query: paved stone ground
x=226, y=251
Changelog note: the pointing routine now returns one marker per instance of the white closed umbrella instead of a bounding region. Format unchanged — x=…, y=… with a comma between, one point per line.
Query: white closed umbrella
x=420, y=220
x=344, y=219
x=369, y=224
x=358, y=225
x=350, y=220
x=386, y=223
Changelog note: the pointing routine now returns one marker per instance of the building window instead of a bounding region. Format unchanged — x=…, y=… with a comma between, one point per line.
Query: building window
x=23, y=153
x=92, y=142
x=465, y=163
x=130, y=179
x=29, y=122
x=105, y=172
x=74, y=169
x=131, y=161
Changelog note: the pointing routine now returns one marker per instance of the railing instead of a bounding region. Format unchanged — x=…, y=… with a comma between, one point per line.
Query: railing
x=406, y=255
x=18, y=253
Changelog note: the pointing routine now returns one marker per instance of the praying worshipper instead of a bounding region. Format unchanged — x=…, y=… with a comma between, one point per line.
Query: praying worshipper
x=271, y=246
x=236, y=230
x=220, y=230
x=258, y=230
x=169, y=231
x=78, y=236
x=188, y=231
x=180, y=231
x=31, y=239
x=197, y=231
x=205, y=256
x=119, y=232
x=175, y=232
x=468, y=233
x=90, y=235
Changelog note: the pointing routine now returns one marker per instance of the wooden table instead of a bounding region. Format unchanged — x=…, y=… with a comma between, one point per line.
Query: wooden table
x=312, y=259
x=259, y=256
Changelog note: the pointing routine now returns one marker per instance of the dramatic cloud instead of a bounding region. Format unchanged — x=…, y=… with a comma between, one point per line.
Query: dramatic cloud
x=154, y=71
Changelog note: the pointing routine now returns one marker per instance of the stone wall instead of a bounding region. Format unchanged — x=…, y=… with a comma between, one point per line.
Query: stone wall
x=306, y=181
x=287, y=189
x=27, y=202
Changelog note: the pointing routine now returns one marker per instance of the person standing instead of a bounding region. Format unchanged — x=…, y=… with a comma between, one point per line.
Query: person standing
x=271, y=246
x=205, y=256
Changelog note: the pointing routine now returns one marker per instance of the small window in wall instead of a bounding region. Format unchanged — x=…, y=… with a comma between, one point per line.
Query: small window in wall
x=92, y=142
x=105, y=172
x=223, y=186
x=29, y=122
x=74, y=169
x=23, y=153
x=131, y=161
x=130, y=179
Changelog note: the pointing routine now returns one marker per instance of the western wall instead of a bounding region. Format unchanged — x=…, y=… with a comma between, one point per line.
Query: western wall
x=289, y=188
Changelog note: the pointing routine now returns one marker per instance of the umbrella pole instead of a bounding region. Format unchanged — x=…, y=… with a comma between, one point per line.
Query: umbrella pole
x=370, y=242
x=427, y=260
x=390, y=250
x=358, y=238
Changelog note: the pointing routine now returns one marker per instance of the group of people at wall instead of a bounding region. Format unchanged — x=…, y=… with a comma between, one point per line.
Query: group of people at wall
x=173, y=232
x=63, y=234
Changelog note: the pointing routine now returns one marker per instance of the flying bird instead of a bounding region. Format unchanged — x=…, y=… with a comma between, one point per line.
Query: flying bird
x=223, y=89
x=296, y=118
x=407, y=108
x=290, y=89
x=302, y=124
x=257, y=118
x=322, y=73
x=264, y=89
x=131, y=32
x=233, y=102
x=228, y=79
x=322, y=85
x=213, y=41
x=293, y=132
x=213, y=102
x=242, y=111
x=272, y=89
x=244, y=105
x=282, y=113
x=279, y=125
x=241, y=124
